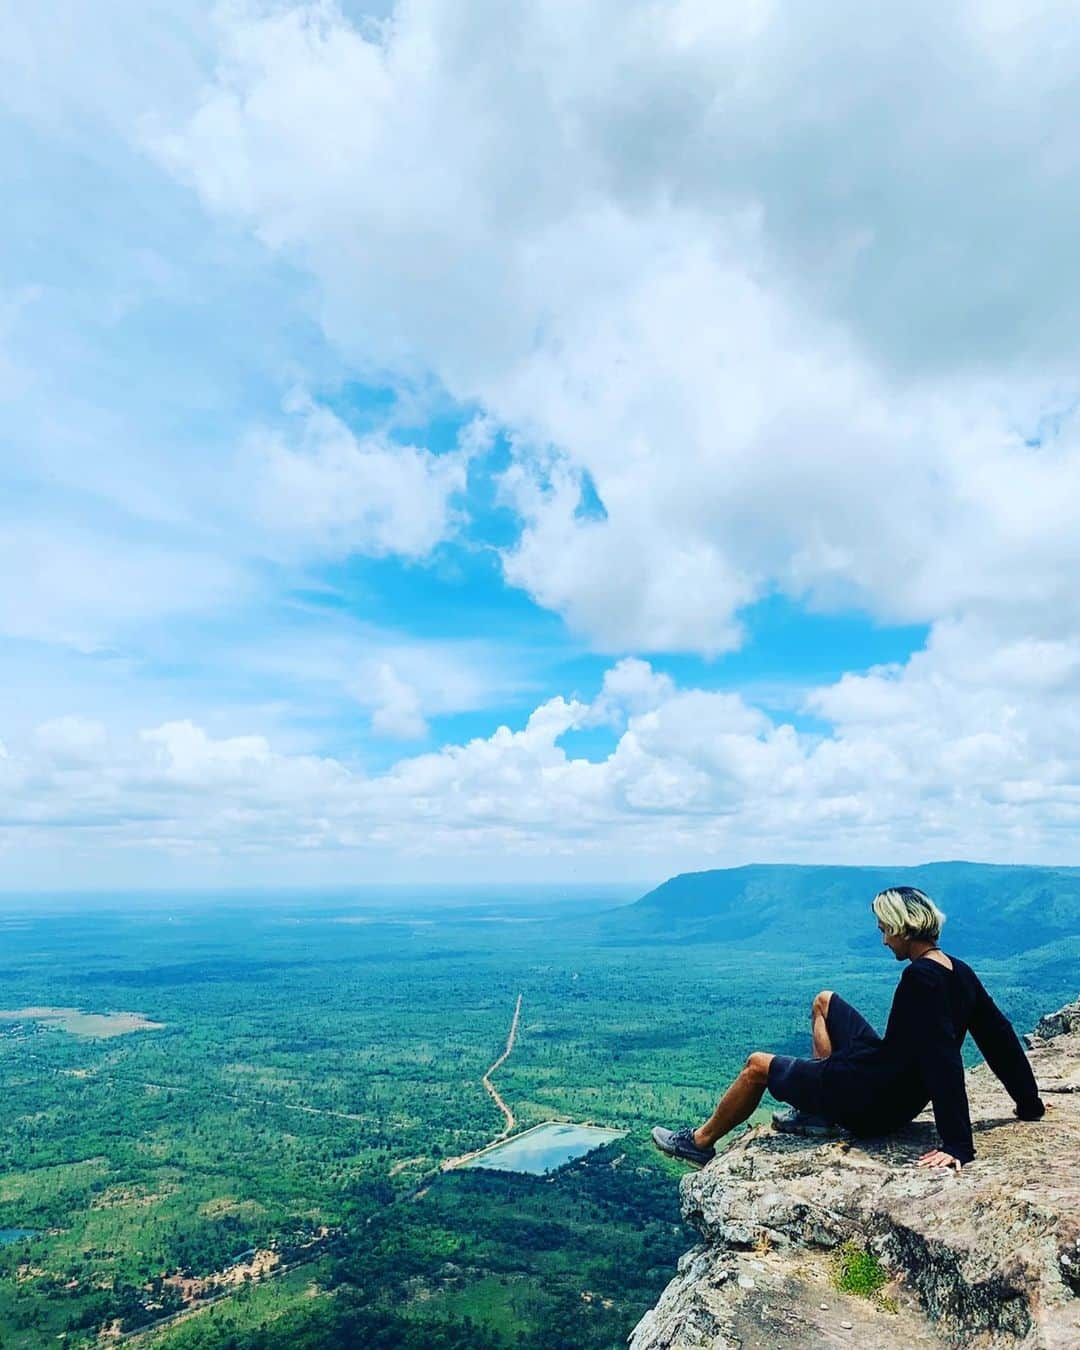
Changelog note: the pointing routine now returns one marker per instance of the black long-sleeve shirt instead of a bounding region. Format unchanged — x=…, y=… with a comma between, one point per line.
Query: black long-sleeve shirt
x=879, y=1086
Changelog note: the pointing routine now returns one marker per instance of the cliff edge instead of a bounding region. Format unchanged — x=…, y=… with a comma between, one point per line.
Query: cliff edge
x=986, y=1258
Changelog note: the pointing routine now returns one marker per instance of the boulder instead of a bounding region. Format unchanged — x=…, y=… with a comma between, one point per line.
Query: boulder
x=986, y=1258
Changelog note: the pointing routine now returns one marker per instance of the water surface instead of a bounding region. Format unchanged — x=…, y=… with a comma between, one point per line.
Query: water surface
x=544, y=1148
x=15, y=1235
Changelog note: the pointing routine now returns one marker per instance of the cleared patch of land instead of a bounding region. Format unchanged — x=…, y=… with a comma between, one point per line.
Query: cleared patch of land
x=229, y=1204
x=135, y=1197
x=406, y=1163
x=53, y=1182
x=79, y=1023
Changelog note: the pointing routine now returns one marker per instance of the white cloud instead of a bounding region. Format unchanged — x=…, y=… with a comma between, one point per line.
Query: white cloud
x=343, y=664
x=67, y=584
x=395, y=706
x=341, y=494
x=71, y=742
x=925, y=760
x=186, y=754
x=787, y=323
x=984, y=724
x=630, y=686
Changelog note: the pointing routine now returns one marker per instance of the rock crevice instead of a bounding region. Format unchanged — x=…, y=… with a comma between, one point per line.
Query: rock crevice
x=988, y=1258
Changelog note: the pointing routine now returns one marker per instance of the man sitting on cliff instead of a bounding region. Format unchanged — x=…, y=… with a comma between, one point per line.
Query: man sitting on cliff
x=871, y=1085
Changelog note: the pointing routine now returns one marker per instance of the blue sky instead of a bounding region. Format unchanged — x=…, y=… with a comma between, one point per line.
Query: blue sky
x=534, y=443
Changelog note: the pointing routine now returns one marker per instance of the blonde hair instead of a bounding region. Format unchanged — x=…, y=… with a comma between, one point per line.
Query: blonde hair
x=903, y=909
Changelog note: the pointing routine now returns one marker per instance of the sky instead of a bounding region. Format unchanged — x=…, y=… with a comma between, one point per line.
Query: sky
x=549, y=442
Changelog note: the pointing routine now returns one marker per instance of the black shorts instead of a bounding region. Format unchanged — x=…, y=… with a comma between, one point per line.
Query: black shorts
x=799, y=1081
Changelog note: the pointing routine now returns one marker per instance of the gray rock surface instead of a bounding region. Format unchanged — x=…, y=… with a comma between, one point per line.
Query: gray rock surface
x=986, y=1258
x=1064, y=1022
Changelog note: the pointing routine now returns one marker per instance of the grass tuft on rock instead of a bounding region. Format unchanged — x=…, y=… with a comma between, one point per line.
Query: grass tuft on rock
x=857, y=1271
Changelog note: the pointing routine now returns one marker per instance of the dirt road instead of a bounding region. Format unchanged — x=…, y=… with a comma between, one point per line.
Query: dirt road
x=486, y=1080
x=493, y=1092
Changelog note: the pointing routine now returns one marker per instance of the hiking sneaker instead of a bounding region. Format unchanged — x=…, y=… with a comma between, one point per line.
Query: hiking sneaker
x=680, y=1144
x=803, y=1122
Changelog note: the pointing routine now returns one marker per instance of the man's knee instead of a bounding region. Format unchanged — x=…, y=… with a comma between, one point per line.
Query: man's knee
x=820, y=1005
x=757, y=1066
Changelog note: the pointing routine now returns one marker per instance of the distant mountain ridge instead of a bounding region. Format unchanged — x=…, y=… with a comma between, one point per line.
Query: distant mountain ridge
x=991, y=909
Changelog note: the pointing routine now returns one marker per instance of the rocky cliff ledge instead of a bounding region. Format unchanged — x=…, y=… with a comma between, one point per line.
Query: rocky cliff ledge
x=987, y=1258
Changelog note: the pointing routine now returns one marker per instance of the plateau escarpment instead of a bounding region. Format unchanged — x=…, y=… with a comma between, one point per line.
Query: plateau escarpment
x=986, y=1258
x=786, y=908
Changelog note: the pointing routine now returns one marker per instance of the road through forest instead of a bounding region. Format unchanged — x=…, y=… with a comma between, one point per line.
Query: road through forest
x=492, y=1089
x=493, y=1092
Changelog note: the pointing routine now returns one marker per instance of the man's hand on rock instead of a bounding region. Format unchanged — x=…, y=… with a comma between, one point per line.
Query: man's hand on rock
x=936, y=1158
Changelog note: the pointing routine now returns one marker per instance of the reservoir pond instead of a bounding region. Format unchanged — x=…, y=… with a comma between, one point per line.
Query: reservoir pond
x=15, y=1235
x=544, y=1148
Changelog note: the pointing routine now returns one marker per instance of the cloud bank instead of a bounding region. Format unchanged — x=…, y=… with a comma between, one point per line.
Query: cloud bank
x=727, y=304
x=923, y=760
x=753, y=279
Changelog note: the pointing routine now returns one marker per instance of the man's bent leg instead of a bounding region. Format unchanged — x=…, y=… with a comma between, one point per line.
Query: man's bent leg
x=738, y=1102
x=819, y=1030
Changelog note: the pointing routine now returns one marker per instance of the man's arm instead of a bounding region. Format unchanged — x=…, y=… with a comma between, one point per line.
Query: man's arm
x=1000, y=1047
x=943, y=1070
x=923, y=1024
